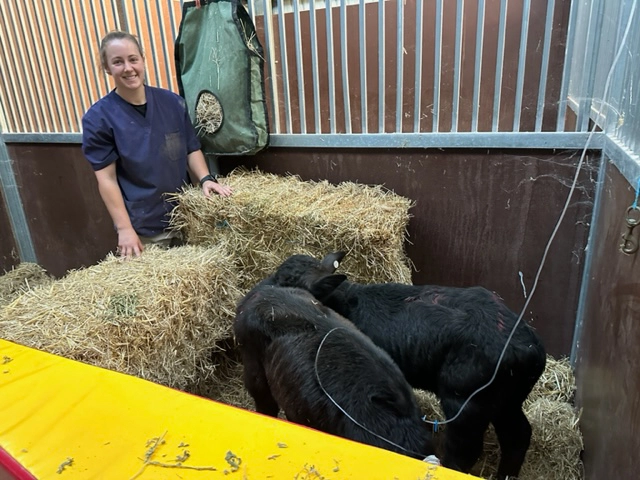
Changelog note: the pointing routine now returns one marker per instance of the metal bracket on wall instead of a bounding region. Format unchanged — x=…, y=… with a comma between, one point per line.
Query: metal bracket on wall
x=630, y=243
x=14, y=207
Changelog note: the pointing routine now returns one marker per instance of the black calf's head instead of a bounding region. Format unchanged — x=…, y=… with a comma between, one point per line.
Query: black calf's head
x=309, y=273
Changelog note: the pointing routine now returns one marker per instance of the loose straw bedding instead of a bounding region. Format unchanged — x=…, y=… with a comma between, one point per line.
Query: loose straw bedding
x=21, y=279
x=271, y=217
x=159, y=316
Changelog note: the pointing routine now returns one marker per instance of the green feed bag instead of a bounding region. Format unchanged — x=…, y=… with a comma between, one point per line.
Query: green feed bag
x=220, y=69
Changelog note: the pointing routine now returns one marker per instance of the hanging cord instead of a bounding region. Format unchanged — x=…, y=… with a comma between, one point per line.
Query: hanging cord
x=555, y=230
x=342, y=409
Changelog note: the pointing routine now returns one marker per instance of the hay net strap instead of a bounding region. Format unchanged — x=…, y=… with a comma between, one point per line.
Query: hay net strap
x=220, y=71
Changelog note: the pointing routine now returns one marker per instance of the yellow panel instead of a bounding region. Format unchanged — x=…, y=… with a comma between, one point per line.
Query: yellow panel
x=66, y=420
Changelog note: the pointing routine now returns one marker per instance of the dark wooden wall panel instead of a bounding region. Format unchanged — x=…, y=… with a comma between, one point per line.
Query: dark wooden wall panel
x=9, y=256
x=608, y=360
x=480, y=218
x=69, y=224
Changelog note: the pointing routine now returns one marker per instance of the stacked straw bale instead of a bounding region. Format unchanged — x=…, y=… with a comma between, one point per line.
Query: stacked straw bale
x=21, y=279
x=158, y=317
x=270, y=217
x=556, y=440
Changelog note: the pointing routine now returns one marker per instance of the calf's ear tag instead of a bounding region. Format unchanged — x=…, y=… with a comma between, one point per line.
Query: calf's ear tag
x=336, y=264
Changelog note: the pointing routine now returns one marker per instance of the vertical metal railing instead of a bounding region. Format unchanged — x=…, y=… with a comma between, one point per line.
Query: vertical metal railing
x=312, y=59
x=457, y=62
x=475, y=103
x=497, y=89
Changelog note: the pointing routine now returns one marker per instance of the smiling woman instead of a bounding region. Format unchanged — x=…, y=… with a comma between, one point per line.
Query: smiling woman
x=142, y=145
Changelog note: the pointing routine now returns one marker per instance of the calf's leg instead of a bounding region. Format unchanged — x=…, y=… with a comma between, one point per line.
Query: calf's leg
x=463, y=438
x=255, y=381
x=514, y=436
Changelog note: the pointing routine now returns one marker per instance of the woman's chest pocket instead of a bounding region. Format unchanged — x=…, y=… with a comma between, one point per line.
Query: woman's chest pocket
x=174, y=147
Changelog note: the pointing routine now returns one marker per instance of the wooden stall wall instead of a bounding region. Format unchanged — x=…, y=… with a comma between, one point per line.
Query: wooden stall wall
x=9, y=256
x=608, y=354
x=70, y=226
x=481, y=218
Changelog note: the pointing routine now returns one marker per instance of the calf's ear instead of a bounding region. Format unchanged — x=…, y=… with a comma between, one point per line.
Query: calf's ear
x=323, y=287
x=332, y=261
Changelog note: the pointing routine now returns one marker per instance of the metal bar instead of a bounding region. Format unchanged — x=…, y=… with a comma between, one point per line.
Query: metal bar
x=85, y=101
x=522, y=64
x=31, y=73
x=381, y=67
x=299, y=69
x=417, y=85
x=625, y=104
x=617, y=85
x=364, y=127
x=585, y=284
x=399, y=64
x=588, y=69
x=16, y=53
x=508, y=140
x=7, y=98
x=634, y=81
x=566, y=73
x=85, y=25
x=455, y=109
x=330, y=65
x=313, y=32
x=12, y=103
x=478, y=67
x=284, y=65
x=345, y=67
x=165, y=49
x=626, y=161
x=116, y=17
x=125, y=17
x=99, y=36
x=150, y=41
x=497, y=89
x=544, y=69
x=174, y=33
x=15, y=209
x=62, y=68
x=273, y=74
x=437, y=67
x=45, y=80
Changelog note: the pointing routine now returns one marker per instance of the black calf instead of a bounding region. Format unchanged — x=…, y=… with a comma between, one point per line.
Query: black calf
x=446, y=340
x=296, y=353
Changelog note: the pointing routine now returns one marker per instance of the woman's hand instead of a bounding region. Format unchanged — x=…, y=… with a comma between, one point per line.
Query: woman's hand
x=209, y=187
x=129, y=243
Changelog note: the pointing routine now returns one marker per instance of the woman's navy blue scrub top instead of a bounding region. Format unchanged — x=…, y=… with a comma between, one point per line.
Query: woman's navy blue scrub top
x=150, y=152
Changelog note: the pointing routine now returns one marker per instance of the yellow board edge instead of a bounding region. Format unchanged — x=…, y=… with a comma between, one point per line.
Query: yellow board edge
x=62, y=419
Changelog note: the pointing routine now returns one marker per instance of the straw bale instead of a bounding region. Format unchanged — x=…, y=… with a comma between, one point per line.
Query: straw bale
x=21, y=279
x=157, y=316
x=270, y=217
